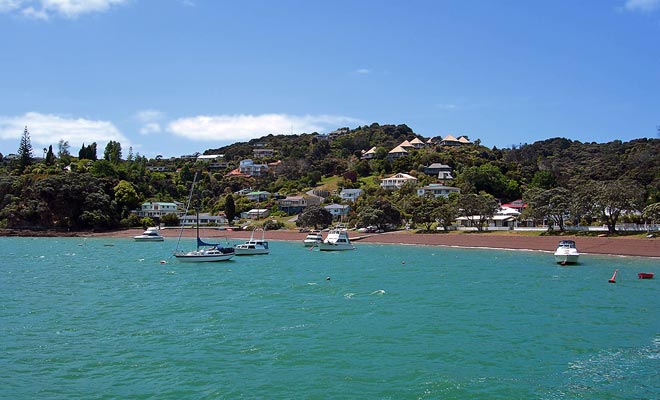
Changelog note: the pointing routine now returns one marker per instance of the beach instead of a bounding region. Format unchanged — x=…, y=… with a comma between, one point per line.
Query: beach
x=623, y=246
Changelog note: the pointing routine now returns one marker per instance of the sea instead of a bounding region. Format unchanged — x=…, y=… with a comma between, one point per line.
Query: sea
x=110, y=318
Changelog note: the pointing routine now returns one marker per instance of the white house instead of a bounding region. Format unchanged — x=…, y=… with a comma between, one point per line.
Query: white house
x=256, y=213
x=257, y=196
x=437, y=190
x=338, y=210
x=248, y=167
x=158, y=209
x=397, y=180
x=350, y=194
x=204, y=219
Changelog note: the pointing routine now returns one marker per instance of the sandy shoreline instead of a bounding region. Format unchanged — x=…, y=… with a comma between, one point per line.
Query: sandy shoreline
x=644, y=247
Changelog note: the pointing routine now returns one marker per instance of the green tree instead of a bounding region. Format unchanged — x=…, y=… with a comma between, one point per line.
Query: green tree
x=551, y=204
x=230, y=208
x=126, y=196
x=314, y=216
x=170, y=219
x=50, y=156
x=112, y=152
x=478, y=208
x=24, y=151
x=613, y=198
x=446, y=210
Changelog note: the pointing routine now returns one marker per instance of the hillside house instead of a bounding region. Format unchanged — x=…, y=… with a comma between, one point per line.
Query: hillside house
x=397, y=180
x=437, y=190
x=350, y=194
x=397, y=152
x=338, y=210
x=442, y=171
x=158, y=208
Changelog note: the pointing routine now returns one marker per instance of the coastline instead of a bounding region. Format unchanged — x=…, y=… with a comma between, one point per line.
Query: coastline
x=617, y=246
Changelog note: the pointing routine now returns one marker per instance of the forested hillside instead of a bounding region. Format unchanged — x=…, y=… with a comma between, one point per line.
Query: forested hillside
x=562, y=180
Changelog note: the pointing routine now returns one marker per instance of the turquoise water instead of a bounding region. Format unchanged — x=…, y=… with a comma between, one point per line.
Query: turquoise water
x=102, y=318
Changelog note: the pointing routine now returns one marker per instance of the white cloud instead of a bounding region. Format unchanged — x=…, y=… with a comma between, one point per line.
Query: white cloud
x=150, y=120
x=444, y=106
x=245, y=127
x=49, y=129
x=642, y=5
x=43, y=9
x=151, y=127
x=363, y=71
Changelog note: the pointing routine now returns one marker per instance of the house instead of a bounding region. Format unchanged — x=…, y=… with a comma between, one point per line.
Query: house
x=204, y=219
x=449, y=140
x=158, y=209
x=406, y=145
x=263, y=152
x=397, y=152
x=517, y=205
x=256, y=213
x=350, y=194
x=258, y=196
x=297, y=204
x=442, y=171
x=369, y=154
x=158, y=168
x=397, y=180
x=504, y=219
x=464, y=140
x=248, y=167
x=416, y=143
x=338, y=210
x=437, y=190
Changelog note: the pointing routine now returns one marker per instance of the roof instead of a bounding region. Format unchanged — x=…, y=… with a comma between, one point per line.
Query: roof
x=398, y=149
x=209, y=156
x=351, y=191
x=401, y=175
x=450, y=138
x=406, y=143
x=338, y=206
x=371, y=150
x=438, y=165
x=416, y=141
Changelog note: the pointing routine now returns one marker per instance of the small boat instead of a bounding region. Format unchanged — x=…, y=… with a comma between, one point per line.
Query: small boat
x=566, y=253
x=252, y=246
x=205, y=252
x=645, y=275
x=150, y=235
x=337, y=240
x=313, y=238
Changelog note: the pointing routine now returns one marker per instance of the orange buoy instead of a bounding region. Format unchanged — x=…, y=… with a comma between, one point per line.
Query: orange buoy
x=613, y=278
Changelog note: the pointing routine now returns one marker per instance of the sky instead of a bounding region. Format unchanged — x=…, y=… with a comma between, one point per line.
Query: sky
x=175, y=77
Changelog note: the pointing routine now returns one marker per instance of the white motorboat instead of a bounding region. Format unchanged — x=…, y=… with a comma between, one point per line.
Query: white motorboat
x=150, y=235
x=566, y=252
x=252, y=246
x=336, y=240
x=313, y=238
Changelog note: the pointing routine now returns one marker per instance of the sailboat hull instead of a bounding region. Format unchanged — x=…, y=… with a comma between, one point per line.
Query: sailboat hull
x=201, y=256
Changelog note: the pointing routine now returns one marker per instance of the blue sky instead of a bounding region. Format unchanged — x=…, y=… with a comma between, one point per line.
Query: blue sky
x=173, y=77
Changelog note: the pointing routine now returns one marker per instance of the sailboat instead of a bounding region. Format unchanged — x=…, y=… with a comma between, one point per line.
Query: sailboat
x=205, y=252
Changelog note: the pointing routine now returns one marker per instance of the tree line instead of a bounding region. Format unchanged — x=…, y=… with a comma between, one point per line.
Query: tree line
x=564, y=182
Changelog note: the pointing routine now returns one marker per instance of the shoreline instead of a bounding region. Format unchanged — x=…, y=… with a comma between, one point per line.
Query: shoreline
x=614, y=246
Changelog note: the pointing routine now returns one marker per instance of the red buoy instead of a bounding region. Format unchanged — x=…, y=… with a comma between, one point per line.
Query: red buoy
x=613, y=278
